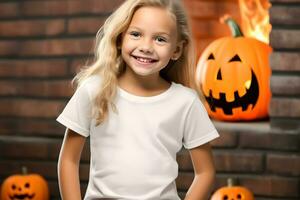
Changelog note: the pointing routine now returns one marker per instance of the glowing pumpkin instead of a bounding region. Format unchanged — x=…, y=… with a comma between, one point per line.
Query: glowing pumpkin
x=25, y=187
x=233, y=74
x=232, y=193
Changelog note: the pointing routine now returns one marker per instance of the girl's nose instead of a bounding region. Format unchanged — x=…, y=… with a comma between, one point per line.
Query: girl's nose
x=146, y=47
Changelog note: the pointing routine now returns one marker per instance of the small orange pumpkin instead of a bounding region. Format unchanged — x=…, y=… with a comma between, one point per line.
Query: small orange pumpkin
x=25, y=186
x=234, y=74
x=231, y=192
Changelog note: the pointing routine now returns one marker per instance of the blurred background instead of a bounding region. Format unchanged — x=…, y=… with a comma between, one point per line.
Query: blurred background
x=43, y=43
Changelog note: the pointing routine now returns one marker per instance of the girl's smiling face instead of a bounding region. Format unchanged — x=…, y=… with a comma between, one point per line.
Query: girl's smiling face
x=150, y=41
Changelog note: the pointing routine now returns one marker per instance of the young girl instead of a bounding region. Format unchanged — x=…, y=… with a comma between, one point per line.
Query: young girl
x=137, y=105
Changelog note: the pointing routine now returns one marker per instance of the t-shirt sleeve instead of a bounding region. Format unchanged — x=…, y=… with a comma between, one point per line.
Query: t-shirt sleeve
x=198, y=128
x=77, y=113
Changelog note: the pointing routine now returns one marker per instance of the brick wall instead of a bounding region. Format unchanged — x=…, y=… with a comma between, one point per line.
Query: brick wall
x=42, y=43
x=285, y=63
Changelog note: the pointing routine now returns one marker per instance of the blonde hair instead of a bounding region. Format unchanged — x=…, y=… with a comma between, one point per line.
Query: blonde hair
x=110, y=65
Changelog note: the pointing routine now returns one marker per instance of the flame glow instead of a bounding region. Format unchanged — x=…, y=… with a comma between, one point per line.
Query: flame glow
x=255, y=19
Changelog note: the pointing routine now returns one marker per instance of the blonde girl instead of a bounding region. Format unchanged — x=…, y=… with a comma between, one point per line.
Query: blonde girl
x=137, y=105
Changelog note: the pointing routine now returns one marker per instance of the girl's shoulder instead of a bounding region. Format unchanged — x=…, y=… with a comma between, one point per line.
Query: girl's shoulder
x=93, y=80
x=186, y=93
x=91, y=84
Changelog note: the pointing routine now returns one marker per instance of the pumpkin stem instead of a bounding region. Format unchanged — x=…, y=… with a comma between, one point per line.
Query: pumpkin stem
x=24, y=170
x=229, y=182
x=234, y=27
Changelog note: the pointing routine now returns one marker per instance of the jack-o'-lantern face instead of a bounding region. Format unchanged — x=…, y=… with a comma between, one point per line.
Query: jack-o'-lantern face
x=242, y=93
x=24, y=187
x=21, y=191
x=232, y=193
x=234, y=74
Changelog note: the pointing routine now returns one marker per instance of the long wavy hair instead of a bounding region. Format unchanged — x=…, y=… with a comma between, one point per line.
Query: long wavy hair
x=108, y=62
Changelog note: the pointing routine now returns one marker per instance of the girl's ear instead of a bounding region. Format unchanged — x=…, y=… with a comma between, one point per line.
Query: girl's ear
x=178, y=51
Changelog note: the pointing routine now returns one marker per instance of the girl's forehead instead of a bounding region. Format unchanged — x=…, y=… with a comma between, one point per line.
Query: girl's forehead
x=151, y=17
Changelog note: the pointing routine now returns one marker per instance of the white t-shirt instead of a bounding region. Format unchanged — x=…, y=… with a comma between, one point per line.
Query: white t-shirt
x=133, y=153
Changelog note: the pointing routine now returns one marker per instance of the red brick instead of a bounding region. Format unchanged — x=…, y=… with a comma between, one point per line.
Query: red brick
x=84, y=171
x=30, y=108
x=227, y=161
x=78, y=63
x=51, y=47
x=184, y=180
x=53, y=189
x=285, y=38
x=285, y=107
x=211, y=9
x=221, y=180
x=31, y=127
x=285, y=85
x=285, y=125
x=273, y=186
x=22, y=28
x=238, y=161
x=9, y=9
x=209, y=28
x=9, y=47
x=29, y=88
x=291, y=164
x=93, y=6
x=274, y=141
x=44, y=8
x=226, y=139
x=33, y=68
x=56, y=47
x=35, y=148
x=240, y=128
x=280, y=14
x=184, y=160
x=27, y=148
x=47, y=169
x=14, y=167
x=285, y=61
x=54, y=8
x=85, y=25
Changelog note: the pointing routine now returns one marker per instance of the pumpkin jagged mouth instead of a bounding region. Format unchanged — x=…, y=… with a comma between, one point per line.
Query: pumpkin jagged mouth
x=250, y=97
x=21, y=196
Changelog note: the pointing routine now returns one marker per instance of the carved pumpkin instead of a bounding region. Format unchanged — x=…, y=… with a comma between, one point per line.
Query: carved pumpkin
x=232, y=193
x=25, y=187
x=233, y=74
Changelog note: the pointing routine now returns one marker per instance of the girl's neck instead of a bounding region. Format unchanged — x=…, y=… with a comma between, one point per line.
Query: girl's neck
x=143, y=86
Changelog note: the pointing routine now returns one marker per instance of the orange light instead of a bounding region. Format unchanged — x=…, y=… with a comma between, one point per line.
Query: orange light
x=255, y=19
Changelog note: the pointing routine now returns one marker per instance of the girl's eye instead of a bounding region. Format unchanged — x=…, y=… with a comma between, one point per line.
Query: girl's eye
x=161, y=39
x=135, y=34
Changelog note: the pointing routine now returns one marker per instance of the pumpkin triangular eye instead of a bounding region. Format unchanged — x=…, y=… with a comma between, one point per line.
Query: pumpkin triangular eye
x=219, y=75
x=211, y=57
x=235, y=58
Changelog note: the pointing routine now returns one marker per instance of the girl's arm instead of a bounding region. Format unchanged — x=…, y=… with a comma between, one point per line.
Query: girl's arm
x=68, y=165
x=204, y=173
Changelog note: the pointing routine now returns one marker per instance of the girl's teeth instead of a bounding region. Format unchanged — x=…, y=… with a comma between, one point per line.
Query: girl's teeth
x=144, y=60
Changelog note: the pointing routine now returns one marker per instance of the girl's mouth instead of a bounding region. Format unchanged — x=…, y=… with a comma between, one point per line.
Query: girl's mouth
x=144, y=60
